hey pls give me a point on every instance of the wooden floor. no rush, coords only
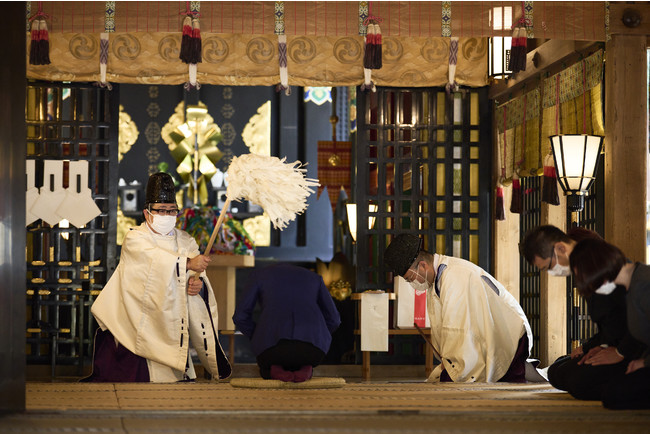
(383, 405)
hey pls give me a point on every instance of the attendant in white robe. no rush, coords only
(158, 303)
(477, 327)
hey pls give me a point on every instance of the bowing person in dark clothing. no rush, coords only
(586, 371)
(598, 265)
(296, 320)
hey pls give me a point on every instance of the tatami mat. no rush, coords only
(356, 407)
(313, 383)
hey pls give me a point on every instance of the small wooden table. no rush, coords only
(222, 274)
(428, 352)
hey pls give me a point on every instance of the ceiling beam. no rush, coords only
(547, 57)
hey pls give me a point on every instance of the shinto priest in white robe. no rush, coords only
(476, 323)
(146, 307)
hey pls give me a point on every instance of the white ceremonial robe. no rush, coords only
(475, 330)
(146, 307)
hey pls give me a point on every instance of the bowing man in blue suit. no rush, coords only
(296, 321)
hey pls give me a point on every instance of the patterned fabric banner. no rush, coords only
(252, 60)
(522, 136)
(574, 80)
(519, 147)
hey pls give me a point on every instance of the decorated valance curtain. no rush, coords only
(325, 40)
(569, 102)
(252, 60)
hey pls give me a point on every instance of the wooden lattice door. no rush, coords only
(68, 266)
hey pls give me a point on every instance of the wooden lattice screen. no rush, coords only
(423, 158)
(67, 266)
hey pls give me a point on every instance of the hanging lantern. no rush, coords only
(576, 161)
(499, 51)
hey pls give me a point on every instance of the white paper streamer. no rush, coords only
(32, 192)
(52, 193)
(78, 206)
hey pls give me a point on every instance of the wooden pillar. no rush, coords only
(12, 207)
(553, 310)
(506, 249)
(626, 147)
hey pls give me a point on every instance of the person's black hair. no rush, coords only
(540, 240)
(594, 262)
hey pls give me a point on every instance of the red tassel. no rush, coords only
(549, 185)
(523, 48)
(515, 204)
(39, 50)
(499, 209)
(196, 42)
(369, 47)
(377, 58)
(186, 41)
(518, 50)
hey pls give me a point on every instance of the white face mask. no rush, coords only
(606, 288)
(163, 224)
(423, 286)
(559, 270)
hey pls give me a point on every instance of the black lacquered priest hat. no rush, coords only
(402, 252)
(160, 189)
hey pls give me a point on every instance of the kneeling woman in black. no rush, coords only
(597, 264)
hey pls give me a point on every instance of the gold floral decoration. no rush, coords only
(257, 132)
(259, 229)
(192, 138)
(128, 133)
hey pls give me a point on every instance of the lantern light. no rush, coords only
(351, 209)
(576, 161)
(499, 47)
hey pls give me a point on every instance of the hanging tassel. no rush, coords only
(196, 45)
(523, 48)
(186, 41)
(191, 47)
(518, 50)
(372, 56)
(513, 63)
(43, 44)
(34, 44)
(515, 204)
(549, 185)
(39, 50)
(377, 57)
(369, 46)
(499, 209)
(368, 59)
